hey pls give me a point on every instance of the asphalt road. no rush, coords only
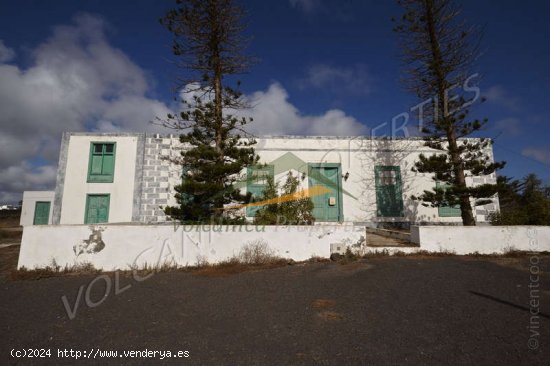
(387, 311)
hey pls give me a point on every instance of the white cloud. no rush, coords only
(77, 81)
(353, 80)
(6, 54)
(307, 6)
(539, 154)
(510, 126)
(23, 176)
(500, 96)
(273, 114)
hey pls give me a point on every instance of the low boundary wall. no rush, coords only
(111, 247)
(481, 239)
(118, 246)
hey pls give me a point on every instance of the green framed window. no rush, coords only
(97, 208)
(101, 168)
(389, 196)
(447, 211)
(257, 179)
(41, 213)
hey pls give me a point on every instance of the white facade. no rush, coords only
(112, 247)
(73, 184)
(143, 178)
(30, 200)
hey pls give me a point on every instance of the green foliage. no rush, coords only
(522, 202)
(297, 211)
(208, 44)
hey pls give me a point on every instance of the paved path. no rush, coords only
(431, 311)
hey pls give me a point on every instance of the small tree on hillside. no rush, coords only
(438, 52)
(298, 211)
(209, 45)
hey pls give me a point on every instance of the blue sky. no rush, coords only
(324, 67)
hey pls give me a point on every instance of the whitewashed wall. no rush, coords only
(29, 204)
(126, 245)
(141, 190)
(358, 156)
(481, 239)
(76, 187)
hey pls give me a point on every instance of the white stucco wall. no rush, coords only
(76, 186)
(357, 156)
(126, 245)
(481, 239)
(29, 203)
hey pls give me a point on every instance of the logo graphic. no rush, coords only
(319, 182)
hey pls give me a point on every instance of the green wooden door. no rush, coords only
(389, 197)
(41, 213)
(327, 206)
(256, 183)
(97, 209)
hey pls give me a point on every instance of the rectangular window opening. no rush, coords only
(101, 167)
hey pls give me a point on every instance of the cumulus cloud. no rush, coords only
(6, 54)
(509, 126)
(273, 114)
(77, 81)
(352, 80)
(307, 6)
(21, 177)
(497, 94)
(540, 154)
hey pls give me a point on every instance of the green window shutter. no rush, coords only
(108, 165)
(97, 208)
(256, 182)
(446, 210)
(41, 213)
(102, 162)
(389, 193)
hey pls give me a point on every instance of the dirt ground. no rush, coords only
(399, 310)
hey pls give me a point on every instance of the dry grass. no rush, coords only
(53, 270)
(253, 256)
(323, 303)
(330, 315)
(10, 219)
(8, 260)
(10, 236)
(325, 309)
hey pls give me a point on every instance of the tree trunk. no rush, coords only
(460, 179)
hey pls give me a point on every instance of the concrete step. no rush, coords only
(374, 240)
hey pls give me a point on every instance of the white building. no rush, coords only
(127, 177)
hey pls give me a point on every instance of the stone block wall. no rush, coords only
(159, 176)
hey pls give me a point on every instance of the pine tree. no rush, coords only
(209, 45)
(438, 52)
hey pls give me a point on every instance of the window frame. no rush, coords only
(386, 176)
(88, 196)
(101, 178)
(251, 183)
(36, 204)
